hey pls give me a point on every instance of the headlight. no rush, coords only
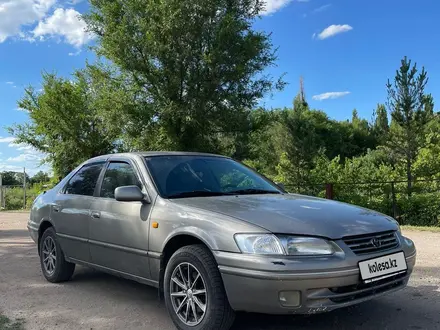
(259, 244)
(306, 246)
(269, 244)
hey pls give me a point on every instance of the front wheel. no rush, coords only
(53, 264)
(194, 293)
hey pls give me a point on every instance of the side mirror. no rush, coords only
(129, 194)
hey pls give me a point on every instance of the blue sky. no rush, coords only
(344, 49)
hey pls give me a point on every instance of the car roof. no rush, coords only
(152, 154)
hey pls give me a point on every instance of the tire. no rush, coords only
(58, 270)
(218, 313)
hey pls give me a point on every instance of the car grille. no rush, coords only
(372, 243)
(354, 292)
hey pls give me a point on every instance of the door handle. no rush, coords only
(56, 208)
(96, 215)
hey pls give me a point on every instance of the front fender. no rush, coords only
(194, 232)
(215, 230)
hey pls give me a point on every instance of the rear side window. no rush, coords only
(118, 175)
(84, 181)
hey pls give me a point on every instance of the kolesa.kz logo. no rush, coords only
(378, 267)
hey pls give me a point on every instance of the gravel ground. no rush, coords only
(94, 300)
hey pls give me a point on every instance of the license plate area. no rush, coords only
(382, 267)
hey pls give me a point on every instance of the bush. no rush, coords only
(420, 210)
(14, 197)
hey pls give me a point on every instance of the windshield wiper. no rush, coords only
(198, 193)
(251, 191)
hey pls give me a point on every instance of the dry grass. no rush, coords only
(422, 228)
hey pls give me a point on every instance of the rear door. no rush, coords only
(119, 230)
(71, 211)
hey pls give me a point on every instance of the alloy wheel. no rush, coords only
(49, 255)
(188, 294)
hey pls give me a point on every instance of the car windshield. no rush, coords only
(204, 176)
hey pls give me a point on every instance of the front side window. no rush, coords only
(84, 181)
(190, 176)
(118, 175)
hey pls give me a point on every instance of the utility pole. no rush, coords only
(24, 188)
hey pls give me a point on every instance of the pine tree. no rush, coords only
(406, 103)
(381, 126)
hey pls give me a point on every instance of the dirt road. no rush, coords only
(93, 300)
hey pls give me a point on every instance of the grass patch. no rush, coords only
(8, 324)
(422, 228)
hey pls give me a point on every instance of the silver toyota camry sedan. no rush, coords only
(215, 237)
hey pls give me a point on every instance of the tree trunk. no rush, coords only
(409, 176)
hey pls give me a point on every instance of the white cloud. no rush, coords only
(20, 146)
(271, 6)
(333, 30)
(7, 139)
(14, 14)
(23, 158)
(65, 24)
(329, 95)
(75, 53)
(322, 8)
(10, 82)
(7, 167)
(29, 154)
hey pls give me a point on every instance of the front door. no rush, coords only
(71, 211)
(119, 230)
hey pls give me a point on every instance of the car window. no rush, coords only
(118, 175)
(176, 175)
(84, 181)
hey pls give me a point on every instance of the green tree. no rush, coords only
(66, 121)
(198, 65)
(354, 116)
(427, 164)
(406, 103)
(301, 144)
(9, 178)
(381, 126)
(428, 103)
(40, 177)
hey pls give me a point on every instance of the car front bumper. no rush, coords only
(254, 283)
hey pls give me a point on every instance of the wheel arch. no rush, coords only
(44, 225)
(174, 243)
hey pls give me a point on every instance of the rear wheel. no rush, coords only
(194, 293)
(53, 264)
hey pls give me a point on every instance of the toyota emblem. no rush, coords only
(376, 242)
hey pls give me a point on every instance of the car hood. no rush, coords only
(296, 214)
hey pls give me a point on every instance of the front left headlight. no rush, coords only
(259, 244)
(269, 244)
